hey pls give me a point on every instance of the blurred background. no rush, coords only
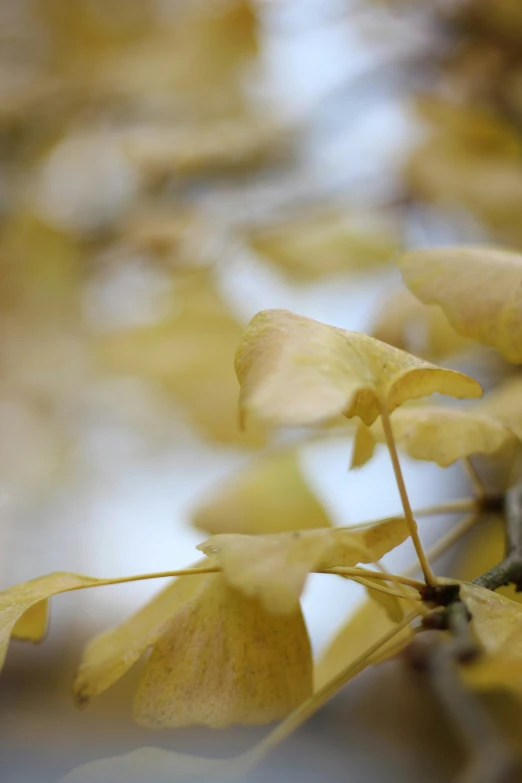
(167, 169)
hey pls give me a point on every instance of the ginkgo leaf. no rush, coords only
(361, 630)
(274, 567)
(316, 245)
(497, 624)
(269, 495)
(294, 370)
(504, 403)
(149, 764)
(405, 322)
(392, 605)
(111, 654)
(190, 353)
(17, 600)
(33, 624)
(478, 288)
(439, 434)
(223, 660)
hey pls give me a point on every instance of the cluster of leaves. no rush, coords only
(143, 108)
(229, 643)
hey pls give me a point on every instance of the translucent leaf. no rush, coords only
(361, 630)
(269, 495)
(442, 435)
(191, 354)
(316, 245)
(154, 765)
(504, 403)
(111, 654)
(274, 567)
(17, 600)
(294, 370)
(32, 625)
(406, 323)
(392, 605)
(497, 624)
(478, 288)
(223, 660)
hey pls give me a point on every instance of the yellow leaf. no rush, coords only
(363, 445)
(316, 245)
(294, 370)
(111, 654)
(191, 354)
(17, 600)
(269, 495)
(504, 403)
(166, 151)
(477, 287)
(392, 605)
(497, 624)
(32, 625)
(443, 435)
(274, 567)
(224, 660)
(154, 765)
(407, 323)
(360, 631)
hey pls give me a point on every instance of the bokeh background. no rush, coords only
(167, 169)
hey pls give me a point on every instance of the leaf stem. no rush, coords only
(429, 576)
(366, 572)
(314, 702)
(474, 477)
(142, 577)
(381, 589)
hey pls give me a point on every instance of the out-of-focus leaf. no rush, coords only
(269, 495)
(392, 605)
(224, 659)
(478, 288)
(443, 435)
(32, 625)
(174, 235)
(407, 323)
(497, 624)
(161, 152)
(447, 172)
(317, 245)
(152, 764)
(191, 354)
(274, 567)
(360, 631)
(294, 370)
(17, 600)
(504, 403)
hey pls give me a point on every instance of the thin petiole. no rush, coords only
(381, 589)
(452, 507)
(474, 477)
(366, 572)
(142, 577)
(414, 532)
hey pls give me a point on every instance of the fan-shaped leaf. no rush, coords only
(439, 434)
(224, 659)
(479, 289)
(269, 495)
(294, 370)
(274, 567)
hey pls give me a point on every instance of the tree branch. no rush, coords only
(437, 659)
(509, 570)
